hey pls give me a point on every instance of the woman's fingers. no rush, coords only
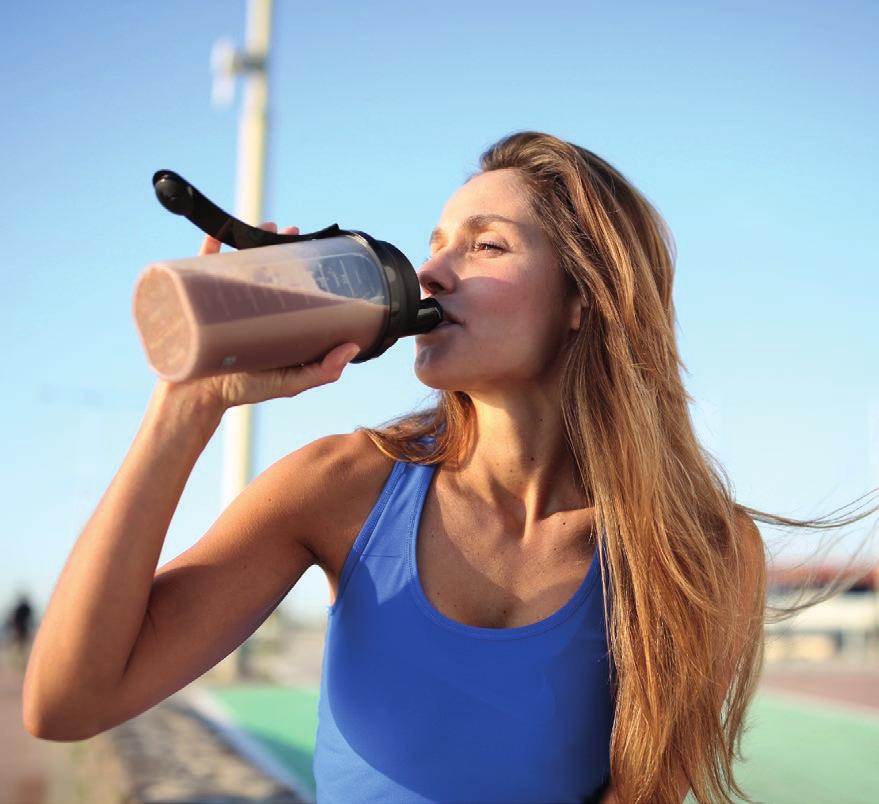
(296, 379)
(209, 246)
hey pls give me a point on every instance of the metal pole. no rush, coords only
(252, 146)
(251, 65)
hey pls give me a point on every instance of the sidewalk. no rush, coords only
(170, 754)
(31, 771)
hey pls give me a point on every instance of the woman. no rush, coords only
(543, 590)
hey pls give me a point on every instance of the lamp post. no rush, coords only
(251, 65)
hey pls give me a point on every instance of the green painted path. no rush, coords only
(282, 719)
(796, 752)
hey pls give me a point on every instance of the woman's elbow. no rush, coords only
(60, 718)
(45, 724)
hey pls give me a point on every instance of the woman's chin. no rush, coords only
(433, 375)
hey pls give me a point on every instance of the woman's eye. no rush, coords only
(485, 245)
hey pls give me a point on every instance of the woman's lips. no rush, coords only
(442, 325)
(449, 316)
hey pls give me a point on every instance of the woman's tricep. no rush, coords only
(209, 599)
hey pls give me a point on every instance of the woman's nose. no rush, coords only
(435, 277)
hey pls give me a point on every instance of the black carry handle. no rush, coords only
(178, 196)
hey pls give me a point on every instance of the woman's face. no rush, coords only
(493, 270)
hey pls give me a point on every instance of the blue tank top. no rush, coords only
(416, 707)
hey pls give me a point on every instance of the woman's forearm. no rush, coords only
(98, 606)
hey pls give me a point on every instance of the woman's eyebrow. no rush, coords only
(475, 223)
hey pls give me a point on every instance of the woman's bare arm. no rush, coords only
(97, 608)
(117, 637)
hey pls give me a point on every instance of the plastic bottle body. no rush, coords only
(260, 308)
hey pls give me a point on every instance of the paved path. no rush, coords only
(168, 755)
(31, 771)
(171, 754)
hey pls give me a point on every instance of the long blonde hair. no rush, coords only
(673, 530)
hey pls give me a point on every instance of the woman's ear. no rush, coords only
(576, 313)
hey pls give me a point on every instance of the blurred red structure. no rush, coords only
(789, 577)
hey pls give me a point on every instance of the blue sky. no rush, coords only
(750, 125)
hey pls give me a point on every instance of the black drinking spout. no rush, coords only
(430, 315)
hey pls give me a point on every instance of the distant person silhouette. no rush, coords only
(20, 627)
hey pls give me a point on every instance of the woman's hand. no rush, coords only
(246, 388)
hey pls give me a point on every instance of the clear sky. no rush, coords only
(750, 125)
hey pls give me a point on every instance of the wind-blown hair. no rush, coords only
(679, 549)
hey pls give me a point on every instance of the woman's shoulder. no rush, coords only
(339, 468)
(337, 480)
(351, 459)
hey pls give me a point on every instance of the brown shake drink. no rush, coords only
(261, 308)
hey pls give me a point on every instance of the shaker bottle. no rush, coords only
(281, 300)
